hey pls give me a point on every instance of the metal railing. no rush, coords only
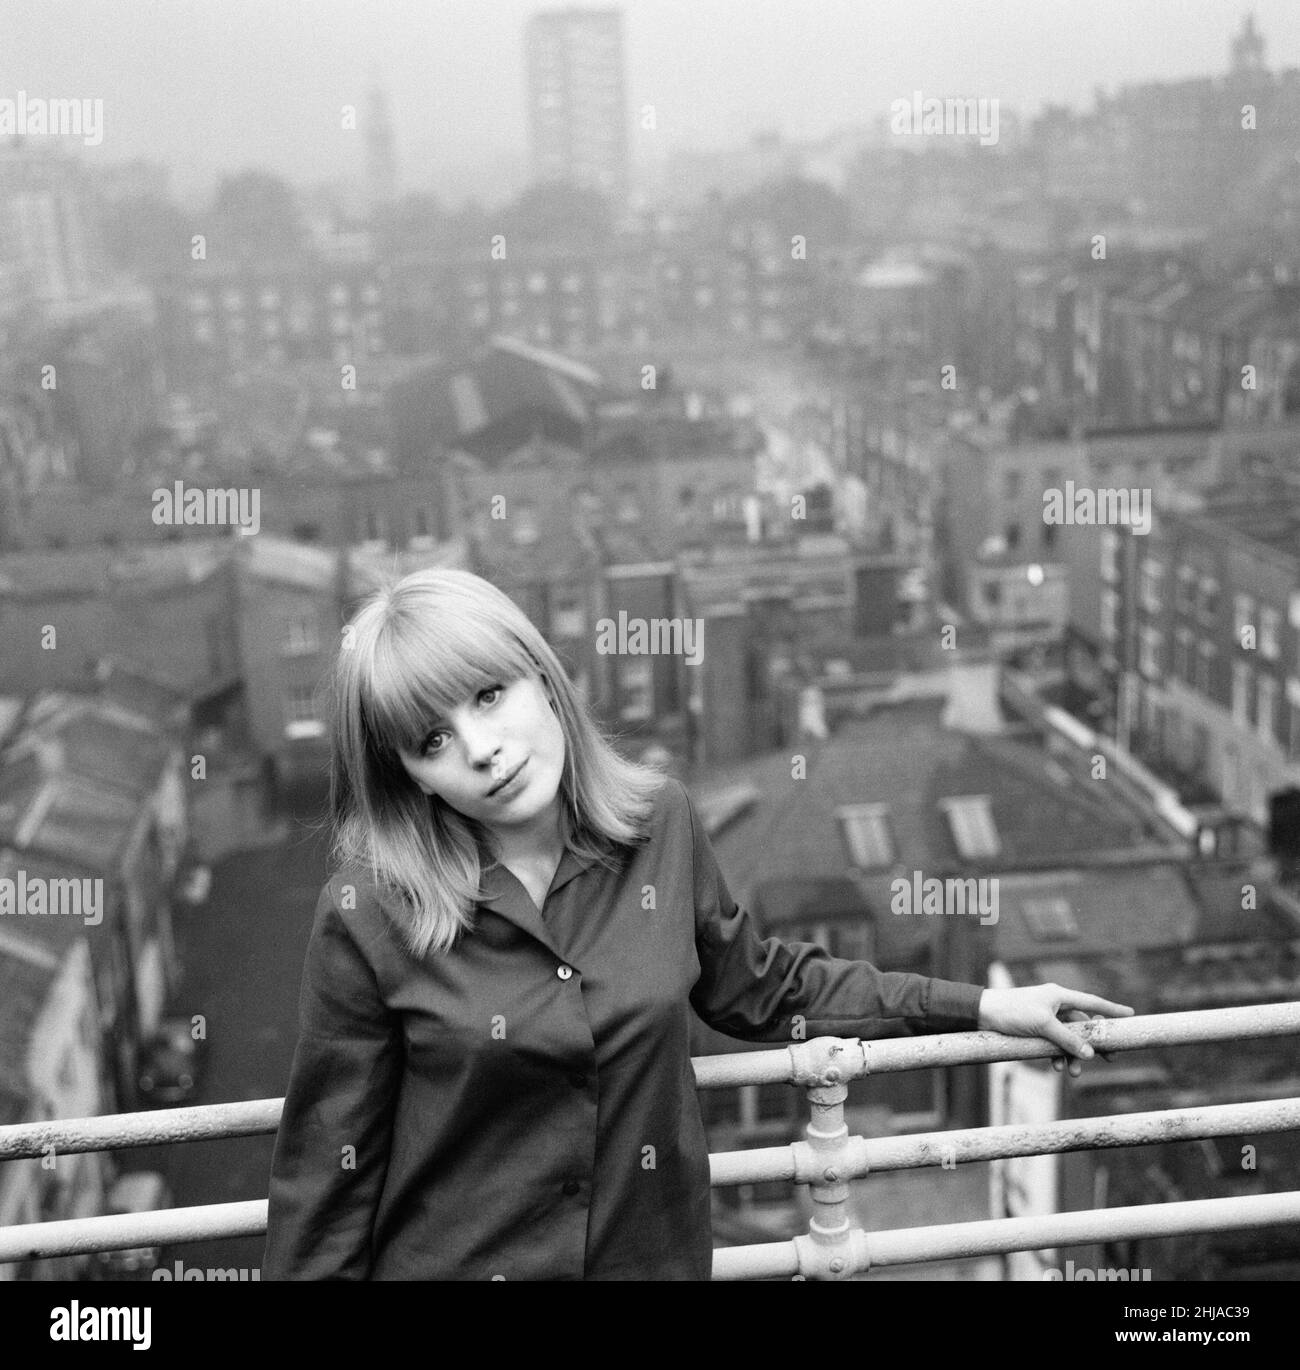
(827, 1160)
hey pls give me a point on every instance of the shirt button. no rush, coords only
(571, 1187)
(564, 972)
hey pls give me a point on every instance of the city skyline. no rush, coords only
(716, 75)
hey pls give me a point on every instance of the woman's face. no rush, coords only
(498, 758)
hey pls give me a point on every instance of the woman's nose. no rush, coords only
(481, 743)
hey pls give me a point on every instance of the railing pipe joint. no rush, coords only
(822, 1066)
(825, 1061)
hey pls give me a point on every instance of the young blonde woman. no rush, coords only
(493, 1077)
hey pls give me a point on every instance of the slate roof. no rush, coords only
(85, 820)
(82, 736)
(902, 757)
(89, 571)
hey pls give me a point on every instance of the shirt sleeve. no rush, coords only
(755, 989)
(332, 1146)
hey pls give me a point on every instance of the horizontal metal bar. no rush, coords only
(260, 1116)
(947, 1241)
(120, 1232)
(199, 1122)
(958, 1241)
(799, 1162)
(982, 1048)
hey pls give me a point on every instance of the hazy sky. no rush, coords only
(212, 85)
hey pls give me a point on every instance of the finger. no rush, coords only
(1076, 1069)
(1073, 998)
(1057, 1063)
(1068, 1041)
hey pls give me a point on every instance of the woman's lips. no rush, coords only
(508, 780)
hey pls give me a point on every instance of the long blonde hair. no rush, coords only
(416, 649)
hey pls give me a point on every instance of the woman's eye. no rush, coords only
(491, 690)
(429, 749)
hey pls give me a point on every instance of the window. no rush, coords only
(300, 713)
(1150, 652)
(1265, 706)
(636, 684)
(1109, 554)
(1270, 620)
(1241, 691)
(1205, 654)
(1109, 615)
(1294, 753)
(567, 616)
(1050, 919)
(589, 502)
(1209, 599)
(973, 831)
(1185, 593)
(1151, 574)
(1183, 668)
(865, 831)
(627, 508)
(1243, 615)
(523, 525)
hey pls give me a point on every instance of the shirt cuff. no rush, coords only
(955, 1001)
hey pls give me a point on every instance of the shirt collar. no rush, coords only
(501, 886)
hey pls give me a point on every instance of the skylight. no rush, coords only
(971, 820)
(1050, 919)
(865, 829)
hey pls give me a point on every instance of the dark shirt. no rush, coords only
(524, 1105)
